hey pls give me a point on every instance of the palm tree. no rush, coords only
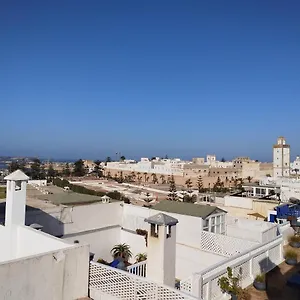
(162, 177)
(296, 171)
(139, 177)
(145, 174)
(121, 250)
(249, 178)
(154, 178)
(133, 176)
(141, 257)
(189, 185)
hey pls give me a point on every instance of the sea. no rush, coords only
(3, 166)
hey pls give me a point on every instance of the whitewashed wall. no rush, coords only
(191, 260)
(8, 241)
(32, 242)
(59, 275)
(101, 241)
(137, 243)
(242, 202)
(93, 216)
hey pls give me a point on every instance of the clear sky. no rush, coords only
(184, 78)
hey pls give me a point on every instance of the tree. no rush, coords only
(13, 166)
(189, 185)
(223, 159)
(296, 171)
(121, 178)
(133, 176)
(162, 178)
(172, 196)
(189, 198)
(66, 170)
(35, 170)
(108, 159)
(122, 251)
(154, 178)
(249, 178)
(51, 173)
(200, 184)
(97, 168)
(145, 176)
(79, 169)
(122, 158)
(139, 177)
(218, 185)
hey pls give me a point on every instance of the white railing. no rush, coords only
(122, 285)
(286, 230)
(269, 234)
(223, 244)
(247, 265)
(138, 269)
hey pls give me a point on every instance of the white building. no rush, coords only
(35, 265)
(295, 166)
(281, 158)
(193, 243)
(161, 166)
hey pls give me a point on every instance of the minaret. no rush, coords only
(15, 198)
(281, 158)
(161, 254)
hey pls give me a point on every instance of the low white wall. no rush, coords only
(101, 241)
(191, 260)
(249, 235)
(31, 242)
(59, 275)
(38, 182)
(242, 202)
(93, 216)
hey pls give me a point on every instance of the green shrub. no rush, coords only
(290, 254)
(260, 277)
(294, 239)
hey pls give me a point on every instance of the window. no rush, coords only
(168, 232)
(206, 225)
(217, 224)
(18, 185)
(154, 230)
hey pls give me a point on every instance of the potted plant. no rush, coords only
(141, 257)
(294, 241)
(291, 257)
(260, 282)
(229, 284)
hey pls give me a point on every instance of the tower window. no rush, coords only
(154, 230)
(168, 232)
(18, 185)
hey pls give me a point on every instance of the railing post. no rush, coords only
(208, 291)
(196, 288)
(251, 267)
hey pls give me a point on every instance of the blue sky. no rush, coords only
(184, 78)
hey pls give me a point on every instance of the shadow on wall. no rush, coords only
(51, 225)
(276, 281)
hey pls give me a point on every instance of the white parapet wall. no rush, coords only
(60, 275)
(246, 265)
